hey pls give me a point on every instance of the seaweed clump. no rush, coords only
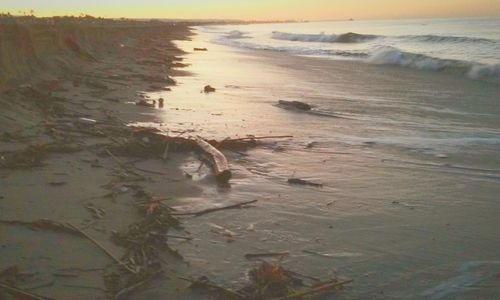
(270, 281)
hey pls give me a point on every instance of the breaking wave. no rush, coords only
(236, 34)
(350, 37)
(393, 56)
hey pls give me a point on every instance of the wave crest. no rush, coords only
(481, 71)
(393, 56)
(350, 37)
(236, 34)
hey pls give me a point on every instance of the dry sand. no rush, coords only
(55, 75)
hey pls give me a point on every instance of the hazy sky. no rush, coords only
(259, 9)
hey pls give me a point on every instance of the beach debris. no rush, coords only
(268, 281)
(155, 87)
(279, 149)
(209, 89)
(266, 254)
(242, 144)
(157, 140)
(294, 105)
(200, 49)
(250, 227)
(145, 238)
(299, 181)
(204, 286)
(255, 138)
(187, 238)
(96, 212)
(271, 281)
(332, 254)
(311, 145)
(145, 103)
(143, 241)
(217, 160)
(150, 142)
(223, 231)
(160, 102)
(87, 121)
(211, 210)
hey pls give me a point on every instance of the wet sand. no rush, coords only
(408, 159)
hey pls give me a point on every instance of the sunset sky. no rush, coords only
(258, 9)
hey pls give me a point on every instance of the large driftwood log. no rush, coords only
(218, 160)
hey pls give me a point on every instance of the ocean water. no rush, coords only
(469, 47)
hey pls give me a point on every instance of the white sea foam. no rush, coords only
(393, 56)
(480, 71)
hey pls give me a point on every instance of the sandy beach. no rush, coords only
(405, 163)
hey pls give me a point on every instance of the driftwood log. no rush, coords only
(219, 162)
(294, 105)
